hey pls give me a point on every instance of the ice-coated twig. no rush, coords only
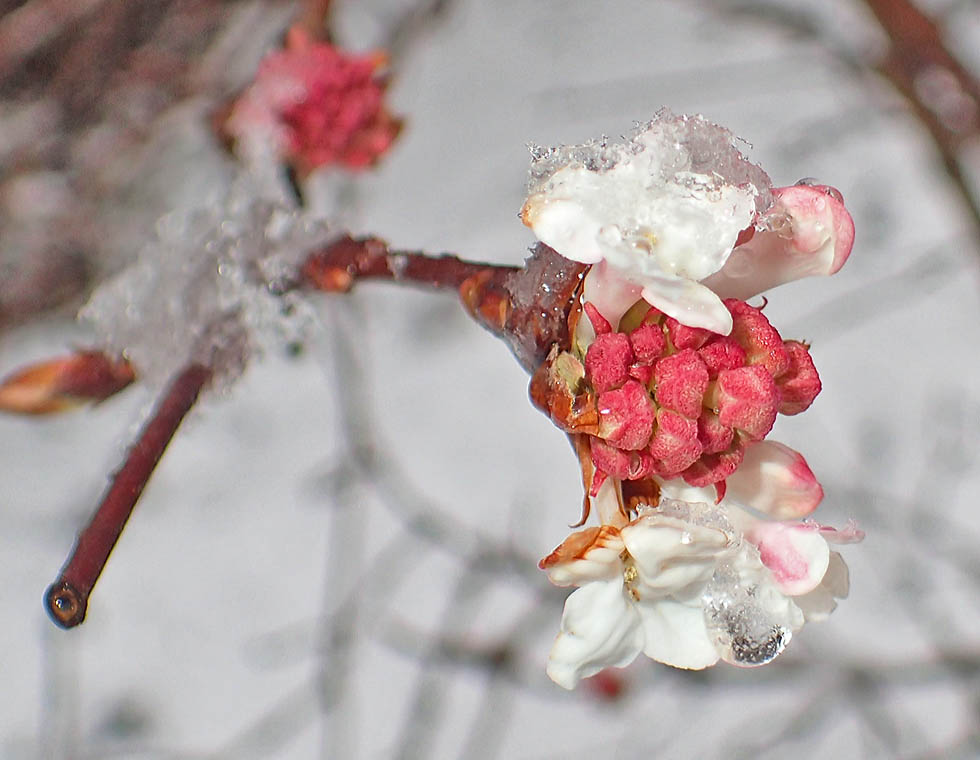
(67, 598)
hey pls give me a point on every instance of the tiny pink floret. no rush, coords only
(762, 343)
(624, 465)
(674, 445)
(713, 435)
(681, 381)
(715, 468)
(682, 336)
(747, 399)
(800, 385)
(608, 360)
(722, 352)
(626, 416)
(648, 343)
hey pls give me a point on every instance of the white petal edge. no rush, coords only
(819, 603)
(676, 635)
(599, 629)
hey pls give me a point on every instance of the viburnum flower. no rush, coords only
(689, 584)
(668, 386)
(315, 105)
(678, 215)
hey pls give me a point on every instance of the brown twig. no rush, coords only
(526, 306)
(944, 94)
(337, 267)
(67, 598)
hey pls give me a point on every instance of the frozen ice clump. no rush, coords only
(675, 150)
(747, 618)
(696, 513)
(661, 211)
(213, 287)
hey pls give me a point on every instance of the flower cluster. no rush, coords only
(669, 386)
(658, 397)
(316, 106)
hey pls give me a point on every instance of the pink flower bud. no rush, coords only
(675, 444)
(714, 468)
(714, 436)
(648, 343)
(599, 323)
(762, 344)
(799, 386)
(746, 399)
(681, 381)
(626, 416)
(624, 465)
(721, 352)
(682, 336)
(608, 360)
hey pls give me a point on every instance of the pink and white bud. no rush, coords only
(807, 232)
(776, 480)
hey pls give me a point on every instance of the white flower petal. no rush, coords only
(671, 554)
(774, 479)
(599, 629)
(585, 556)
(819, 603)
(565, 225)
(687, 301)
(675, 634)
(610, 293)
(812, 234)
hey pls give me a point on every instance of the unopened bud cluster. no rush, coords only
(659, 398)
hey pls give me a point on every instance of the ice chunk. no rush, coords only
(213, 287)
(747, 617)
(663, 210)
(681, 150)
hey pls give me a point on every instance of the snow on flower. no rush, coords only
(315, 105)
(679, 216)
(688, 584)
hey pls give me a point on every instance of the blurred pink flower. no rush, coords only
(315, 105)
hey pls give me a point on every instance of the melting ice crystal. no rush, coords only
(750, 621)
